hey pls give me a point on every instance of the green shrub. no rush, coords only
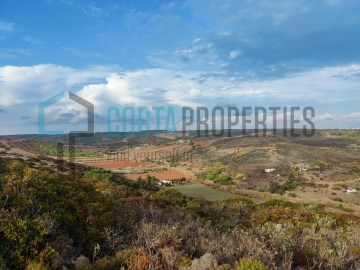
(38, 203)
(107, 263)
(33, 265)
(98, 174)
(223, 179)
(172, 196)
(239, 201)
(2, 263)
(277, 202)
(319, 207)
(250, 264)
(213, 172)
(276, 188)
(322, 165)
(218, 175)
(281, 189)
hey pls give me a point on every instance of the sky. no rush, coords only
(172, 54)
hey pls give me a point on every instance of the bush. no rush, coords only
(243, 201)
(320, 164)
(276, 188)
(223, 179)
(2, 263)
(171, 196)
(250, 264)
(281, 189)
(40, 205)
(218, 175)
(277, 202)
(33, 265)
(98, 174)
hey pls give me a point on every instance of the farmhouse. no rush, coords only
(270, 170)
(165, 182)
(350, 190)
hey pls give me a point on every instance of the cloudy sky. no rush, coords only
(177, 53)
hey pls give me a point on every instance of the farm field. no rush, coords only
(203, 191)
(116, 164)
(167, 175)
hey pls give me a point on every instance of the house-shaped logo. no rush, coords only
(47, 103)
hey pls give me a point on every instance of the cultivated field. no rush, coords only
(203, 191)
(167, 175)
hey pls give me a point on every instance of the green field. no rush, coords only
(200, 190)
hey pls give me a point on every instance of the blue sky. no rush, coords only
(178, 53)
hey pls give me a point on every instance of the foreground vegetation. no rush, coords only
(100, 221)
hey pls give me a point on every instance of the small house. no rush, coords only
(351, 190)
(165, 182)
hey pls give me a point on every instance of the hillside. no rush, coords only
(100, 220)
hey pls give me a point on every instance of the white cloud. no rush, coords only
(85, 54)
(326, 117)
(338, 120)
(141, 87)
(333, 3)
(31, 40)
(25, 87)
(194, 92)
(199, 51)
(13, 53)
(148, 87)
(234, 54)
(34, 84)
(6, 26)
(321, 85)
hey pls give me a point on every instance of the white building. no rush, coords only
(165, 182)
(351, 190)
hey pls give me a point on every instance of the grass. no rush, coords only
(205, 192)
